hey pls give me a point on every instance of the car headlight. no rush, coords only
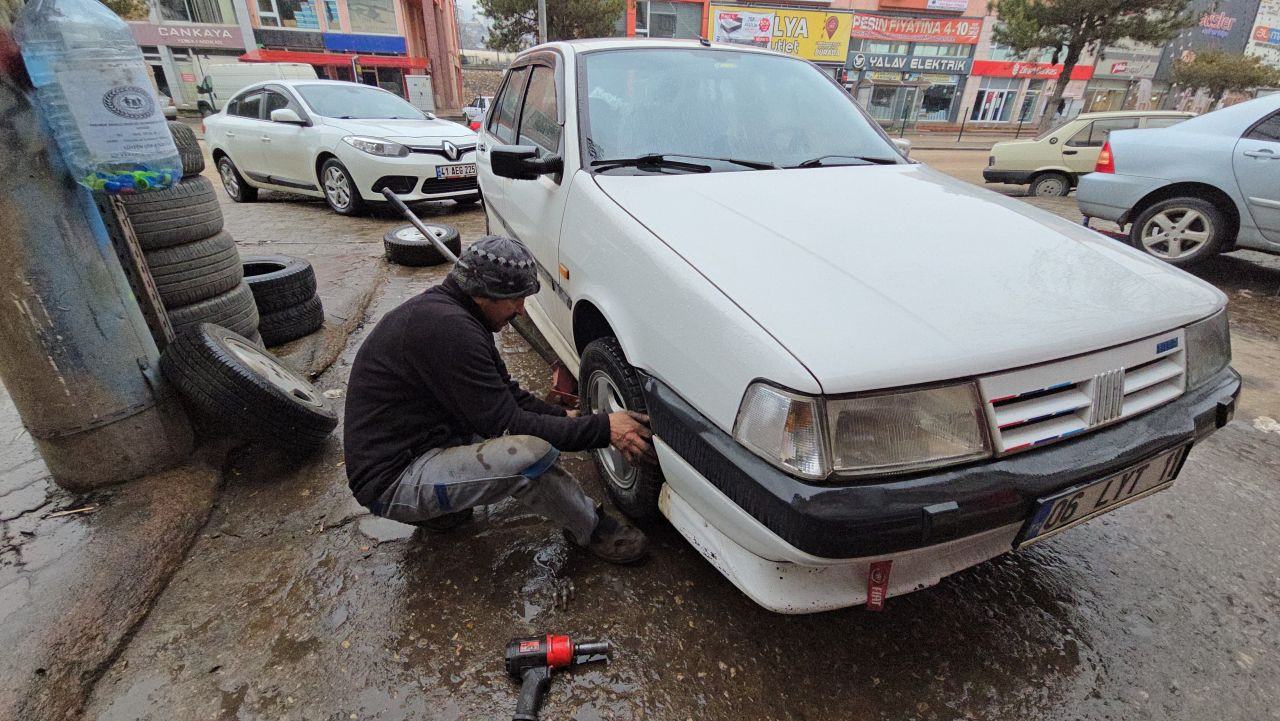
(879, 433)
(376, 146)
(1208, 348)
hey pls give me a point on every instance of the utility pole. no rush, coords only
(542, 21)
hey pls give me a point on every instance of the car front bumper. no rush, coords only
(799, 547)
(1013, 177)
(413, 178)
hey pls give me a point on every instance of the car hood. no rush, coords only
(879, 276)
(404, 131)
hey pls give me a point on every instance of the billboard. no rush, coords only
(962, 31)
(818, 35)
(1265, 39)
(1221, 24)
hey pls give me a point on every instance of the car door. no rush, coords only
(243, 131)
(1080, 152)
(534, 208)
(500, 129)
(1256, 161)
(287, 157)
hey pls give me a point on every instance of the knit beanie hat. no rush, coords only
(496, 267)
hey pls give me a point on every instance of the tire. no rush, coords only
(245, 390)
(1208, 225)
(233, 310)
(1051, 185)
(467, 199)
(289, 324)
(190, 273)
(181, 214)
(607, 383)
(233, 182)
(188, 148)
(340, 190)
(406, 246)
(278, 281)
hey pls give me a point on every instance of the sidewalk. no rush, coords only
(969, 140)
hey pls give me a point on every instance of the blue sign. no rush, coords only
(344, 43)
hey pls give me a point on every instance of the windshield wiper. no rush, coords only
(753, 164)
(652, 161)
(820, 161)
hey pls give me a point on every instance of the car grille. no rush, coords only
(1042, 404)
(449, 185)
(429, 150)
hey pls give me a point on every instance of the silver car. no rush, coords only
(1205, 186)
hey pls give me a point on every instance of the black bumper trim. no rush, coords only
(869, 518)
(1015, 177)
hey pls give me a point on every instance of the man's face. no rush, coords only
(498, 312)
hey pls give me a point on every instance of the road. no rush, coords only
(294, 606)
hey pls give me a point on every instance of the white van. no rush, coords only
(224, 81)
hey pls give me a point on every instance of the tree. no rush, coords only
(1220, 72)
(128, 9)
(1072, 27)
(515, 22)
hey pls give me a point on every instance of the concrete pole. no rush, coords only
(75, 353)
(542, 21)
(246, 27)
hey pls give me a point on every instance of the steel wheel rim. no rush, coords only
(1176, 233)
(337, 188)
(413, 235)
(229, 181)
(277, 375)
(603, 396)
(1054, 184)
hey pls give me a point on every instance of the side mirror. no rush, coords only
(521, 162)
(904, 146)
(204, 87)
(286, 115)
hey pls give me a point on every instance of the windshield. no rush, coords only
(719, 104)
(352, 100)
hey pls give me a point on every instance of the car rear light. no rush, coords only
(1106, 161)
(474, 125)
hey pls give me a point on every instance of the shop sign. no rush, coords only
(818, 35)
(949, 5)
(188, 36)
(910, 64)
(1120, 68)
(1217, 25)
(344, 43)
(884, 77)
(962, 31)
(1041, 71)
(188, 77)
(289, 39)
(1265, 40)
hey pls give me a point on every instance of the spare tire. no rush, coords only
(190, 273)
(181, 214)
(278, 281)
(282, 326)
(245, 389)
(233, 310)
(188, 148)
(406, 245)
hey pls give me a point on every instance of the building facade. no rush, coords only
(180, 38)
(1225, 25)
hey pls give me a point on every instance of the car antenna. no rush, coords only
(705, 42)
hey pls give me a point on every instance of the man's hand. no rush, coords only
(573, 412)
(629, 433)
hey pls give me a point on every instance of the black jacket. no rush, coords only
(428, 374)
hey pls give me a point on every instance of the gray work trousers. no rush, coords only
(446, 480)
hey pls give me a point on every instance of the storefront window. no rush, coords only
(951, 50)
(1030, 99)
(935, 105)
(372, 16)
(665, 19)
(1105, 95)
(1004, 53)
(890, 103)
(995, 100)
(300, 14)
(220, 12)
(878, 46)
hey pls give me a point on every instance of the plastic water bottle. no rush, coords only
(93, 89)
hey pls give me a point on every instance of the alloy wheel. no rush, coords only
(1176, 233)
(603, 397)
(229, 181)
(337, 187)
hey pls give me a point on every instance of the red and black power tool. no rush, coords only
(531, 661)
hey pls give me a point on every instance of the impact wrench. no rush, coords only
(531, 661)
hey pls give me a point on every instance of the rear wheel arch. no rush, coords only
(1209, 193)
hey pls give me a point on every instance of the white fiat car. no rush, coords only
(343, 142)
(863, 375)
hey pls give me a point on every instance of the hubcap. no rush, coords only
(337, 188)
(1052, 186)
(274, 373)
(1176, 233)
(603, 396)
(411, 234)
(229, 181)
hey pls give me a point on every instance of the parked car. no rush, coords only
(1053, 163)
(340, 141)
(1206, 186)
(863, 375)
(223, 81)
(476, 108)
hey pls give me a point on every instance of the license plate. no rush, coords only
(1081, 503)
(466, 170)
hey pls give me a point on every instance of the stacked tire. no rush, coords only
(284, 290)
(193, 261)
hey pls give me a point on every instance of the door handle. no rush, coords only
(265, 139)
(482, 147)
(230, 134)
(1261, 154)
(1071, 152)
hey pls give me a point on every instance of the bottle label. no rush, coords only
(117, 112)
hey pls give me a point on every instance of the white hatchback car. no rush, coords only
(862, 374)
(341, 141)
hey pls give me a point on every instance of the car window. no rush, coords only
(1163, 122)
(1102, 129)
(476, 102)
(538, 124)
(249, 106)
(1081, 138)
(233, 107)
(1268, 129)
(351, 101)
(275, 101)
(502, 122)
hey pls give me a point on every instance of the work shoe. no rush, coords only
(447, 522)
(617, 542)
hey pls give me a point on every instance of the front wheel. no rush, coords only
(607, 384)
(340, 189)
(1180, 231)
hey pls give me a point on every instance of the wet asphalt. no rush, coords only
(293, 606)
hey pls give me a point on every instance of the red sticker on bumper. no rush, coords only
(878, 585)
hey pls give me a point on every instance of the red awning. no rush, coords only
(336, 59)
